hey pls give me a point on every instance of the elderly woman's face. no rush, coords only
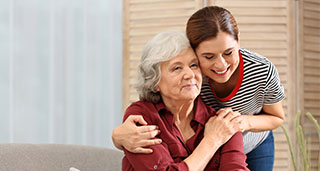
(180, 77)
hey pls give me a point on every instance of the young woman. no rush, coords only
(237, 78)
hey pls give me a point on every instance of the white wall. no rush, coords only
(60, 71)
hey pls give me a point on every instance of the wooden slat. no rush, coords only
(311, 87)
(312, 103)
(311, 7)
(313, 1)
(161, 14)
(272, 53)
(263, 36)
(265, 28)
(312, 47)
(311, 31)
(312, 96)
(264, 44)
(160, 22)
(252, 4)
(261, 20)
(312, 23)
(162, 5)
(312, 62)
(312, 79)
(311, 55)
(312, 39)
(312, 15)
(257, 11)
(147, 34)
(313, 71)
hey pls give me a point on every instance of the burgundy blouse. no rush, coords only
(169, 155)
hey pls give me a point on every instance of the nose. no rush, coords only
(220, 63)
(188, 73)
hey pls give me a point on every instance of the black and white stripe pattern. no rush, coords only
(260, 86)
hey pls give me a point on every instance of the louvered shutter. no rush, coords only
(310, 39)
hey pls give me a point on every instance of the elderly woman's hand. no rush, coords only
(223, 126)
(135, 138)
(237, 120)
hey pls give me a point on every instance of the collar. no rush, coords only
(238, 85)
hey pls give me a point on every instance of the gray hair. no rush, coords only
(161, 48)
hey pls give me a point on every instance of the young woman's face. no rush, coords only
(219, 57)
(180, 77)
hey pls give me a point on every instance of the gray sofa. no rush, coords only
(58, 157)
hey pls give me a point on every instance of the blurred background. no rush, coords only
(68, 67)
(60, 71)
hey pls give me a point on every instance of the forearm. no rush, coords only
(200, 157)
(262, 122)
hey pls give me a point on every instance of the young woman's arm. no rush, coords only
(135, 138)
(272, 114)
(272, 117)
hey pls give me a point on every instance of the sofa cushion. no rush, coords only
(57, 157)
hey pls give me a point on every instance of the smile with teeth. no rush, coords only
(222, 72)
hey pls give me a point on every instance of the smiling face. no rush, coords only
(180, 78)
(219, 57)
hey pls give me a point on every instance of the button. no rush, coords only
(155, 166)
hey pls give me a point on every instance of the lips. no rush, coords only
(189, 85)
(222, 72)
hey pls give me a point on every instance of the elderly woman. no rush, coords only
(193, 137)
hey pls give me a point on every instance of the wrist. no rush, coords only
(247, 121)
(212, 142)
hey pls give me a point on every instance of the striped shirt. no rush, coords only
(258, 84)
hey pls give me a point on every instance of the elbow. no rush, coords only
(281, 117)
(279, 121)
(115, 140)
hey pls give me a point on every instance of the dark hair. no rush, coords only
(207, 22)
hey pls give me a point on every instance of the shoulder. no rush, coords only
(254, 62)
(142, 107)
(253, 57)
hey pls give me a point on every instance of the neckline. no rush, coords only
(238, 85)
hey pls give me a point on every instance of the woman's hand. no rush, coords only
(223, 126)
(135, 138)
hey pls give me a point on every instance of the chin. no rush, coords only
(191, 97)
(220, 81)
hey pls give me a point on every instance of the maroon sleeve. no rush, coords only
(160, 158)
(232, 155)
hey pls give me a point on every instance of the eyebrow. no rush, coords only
(209, 53)
(195, 59)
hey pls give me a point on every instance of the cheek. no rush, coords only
(234, 59)
(204, 67)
